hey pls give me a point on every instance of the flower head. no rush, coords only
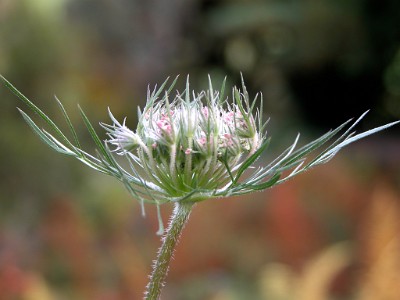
(191, 146)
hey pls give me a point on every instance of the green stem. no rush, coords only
(178, 220)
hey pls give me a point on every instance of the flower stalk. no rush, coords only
(178, 220)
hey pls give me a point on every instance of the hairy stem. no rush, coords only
(178, 220)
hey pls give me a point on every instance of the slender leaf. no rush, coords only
(43, 136)
(37, 110)
(68, 120)
(103, 151)
(248, 162)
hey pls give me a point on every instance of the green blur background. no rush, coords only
(67, 232)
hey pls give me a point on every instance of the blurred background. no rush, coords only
(67, 232)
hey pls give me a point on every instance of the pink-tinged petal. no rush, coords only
(202, 141)
(204, 110)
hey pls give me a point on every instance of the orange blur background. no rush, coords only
(67, 232)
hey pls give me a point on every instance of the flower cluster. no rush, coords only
(194, 147)
(193, 143)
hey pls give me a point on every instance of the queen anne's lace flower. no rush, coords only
(192, 146)
(195, 147)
